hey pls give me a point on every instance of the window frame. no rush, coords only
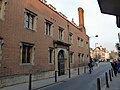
(30, 20)
(71, 57)
(48, 28)
(61, 34)
(82, 42)
(78, 41)
(31, 48)
(2, 9)
(87, 45)
(82, 58)
(51, 55)
(70, 38)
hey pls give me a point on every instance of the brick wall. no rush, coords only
(13, 33)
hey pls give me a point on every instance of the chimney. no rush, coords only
(81, 16)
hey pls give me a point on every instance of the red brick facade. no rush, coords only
(13, 33)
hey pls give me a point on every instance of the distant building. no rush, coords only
(35, 38)
(100, 53)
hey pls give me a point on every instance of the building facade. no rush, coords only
(34, 37)
(100, 53)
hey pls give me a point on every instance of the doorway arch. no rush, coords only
(61, 63)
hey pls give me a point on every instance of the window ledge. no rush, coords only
(2, 19)
(26, 64)
(48, 36)
(51, 63)
(31, 29)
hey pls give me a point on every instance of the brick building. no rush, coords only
(100, 53)
(34, 37)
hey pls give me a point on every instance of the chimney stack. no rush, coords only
(81, 16)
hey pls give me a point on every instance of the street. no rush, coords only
(83, 82)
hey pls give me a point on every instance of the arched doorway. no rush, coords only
(61, 63)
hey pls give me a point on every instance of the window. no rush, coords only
(71, 57)
(0, 5)
(30, 20)
(87, 46)
(1, 44)
(61, 33)
(2, 8)
(82, 58)
(27, 53)
(70, 38)
(80, 42)
(48, 28)
(51, 55)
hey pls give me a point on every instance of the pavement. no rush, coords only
(43, 83)
(113, 85)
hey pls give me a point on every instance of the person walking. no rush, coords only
(118, 64)
(90, 67)
(115, 67)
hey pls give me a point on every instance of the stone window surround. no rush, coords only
(70, 38)
(34, 27)
(50, 32)
(2, 9)
(71, 57)
(80, 42)
(32, 57)
(80, 57)
(61, 34)
(51, 60)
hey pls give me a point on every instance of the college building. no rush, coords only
(100, 54)
(35, 37)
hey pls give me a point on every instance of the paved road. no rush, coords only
(83, 82)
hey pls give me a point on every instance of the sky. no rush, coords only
(96, 23)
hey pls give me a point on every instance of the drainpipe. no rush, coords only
(68, 50)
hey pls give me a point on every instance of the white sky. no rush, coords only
(96, 23)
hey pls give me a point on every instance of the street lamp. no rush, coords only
(93, 36)
(89, 44)
(96, 44)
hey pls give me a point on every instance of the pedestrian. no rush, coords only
(91, 60)
(91, 63)
(90, 67)
(115, 67)
(118, 64)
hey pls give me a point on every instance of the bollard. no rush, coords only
(112, 72)
(78, 71)
(69, 73)
(98, 84)
(55, 76)
(106, 76)
(84, 69)
(30, 81)
(110, 75)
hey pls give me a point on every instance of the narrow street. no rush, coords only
(83, 82)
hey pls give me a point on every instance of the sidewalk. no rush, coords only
(42, 83)
(46, 82)
(115, 83)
